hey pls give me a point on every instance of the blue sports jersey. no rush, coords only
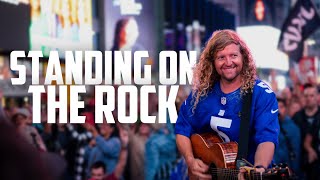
(220, 112)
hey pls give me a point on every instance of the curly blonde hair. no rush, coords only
(205, 75)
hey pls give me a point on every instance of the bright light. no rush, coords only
(311, 42)
(263, 41)
(15, 2)
(281, 80)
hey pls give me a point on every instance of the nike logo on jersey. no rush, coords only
(274, 111)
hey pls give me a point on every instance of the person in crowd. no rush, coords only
(19, 159)
(312, 147)
(160, 148)
(78, 138)
(160, 151)
(137, 144)
(289, 147)
(22, 120)
(294, 106)
(105, 146)
(224, 73)
(98, 169)
(310, 114)
(308, 119)
(286, 94)
(55, 137)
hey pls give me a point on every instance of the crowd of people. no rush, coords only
(148, 151)
(101, 151)
(299, 130)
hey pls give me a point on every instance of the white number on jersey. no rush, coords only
(264, 85)
(221, 122)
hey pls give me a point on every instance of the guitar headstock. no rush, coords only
(277, 172)
(281, 171)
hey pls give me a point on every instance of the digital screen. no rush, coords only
(14, 20)
(131, 26)
(61, 25)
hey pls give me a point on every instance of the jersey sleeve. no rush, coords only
(183, 126)
(265, 114)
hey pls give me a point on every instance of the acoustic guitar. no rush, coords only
(221, 157)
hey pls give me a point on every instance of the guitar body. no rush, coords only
(221, 157)
(210, 148)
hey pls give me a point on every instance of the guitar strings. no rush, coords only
(224, 173)
(233, 173)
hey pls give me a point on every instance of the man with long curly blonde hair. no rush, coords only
(224, 73)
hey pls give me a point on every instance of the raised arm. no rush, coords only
(124, 137)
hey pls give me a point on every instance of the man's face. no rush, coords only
(310, 95)
(21, 120)
(293, 108)
(228, 63)
(97, 173)
(105, 129)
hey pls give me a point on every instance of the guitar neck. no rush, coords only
(225, 173)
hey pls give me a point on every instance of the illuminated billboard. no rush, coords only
(262, 41)
(130, 25)
(61, 25)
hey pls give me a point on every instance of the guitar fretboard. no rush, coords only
(232, 174)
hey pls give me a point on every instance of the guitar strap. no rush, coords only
(244, 130)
